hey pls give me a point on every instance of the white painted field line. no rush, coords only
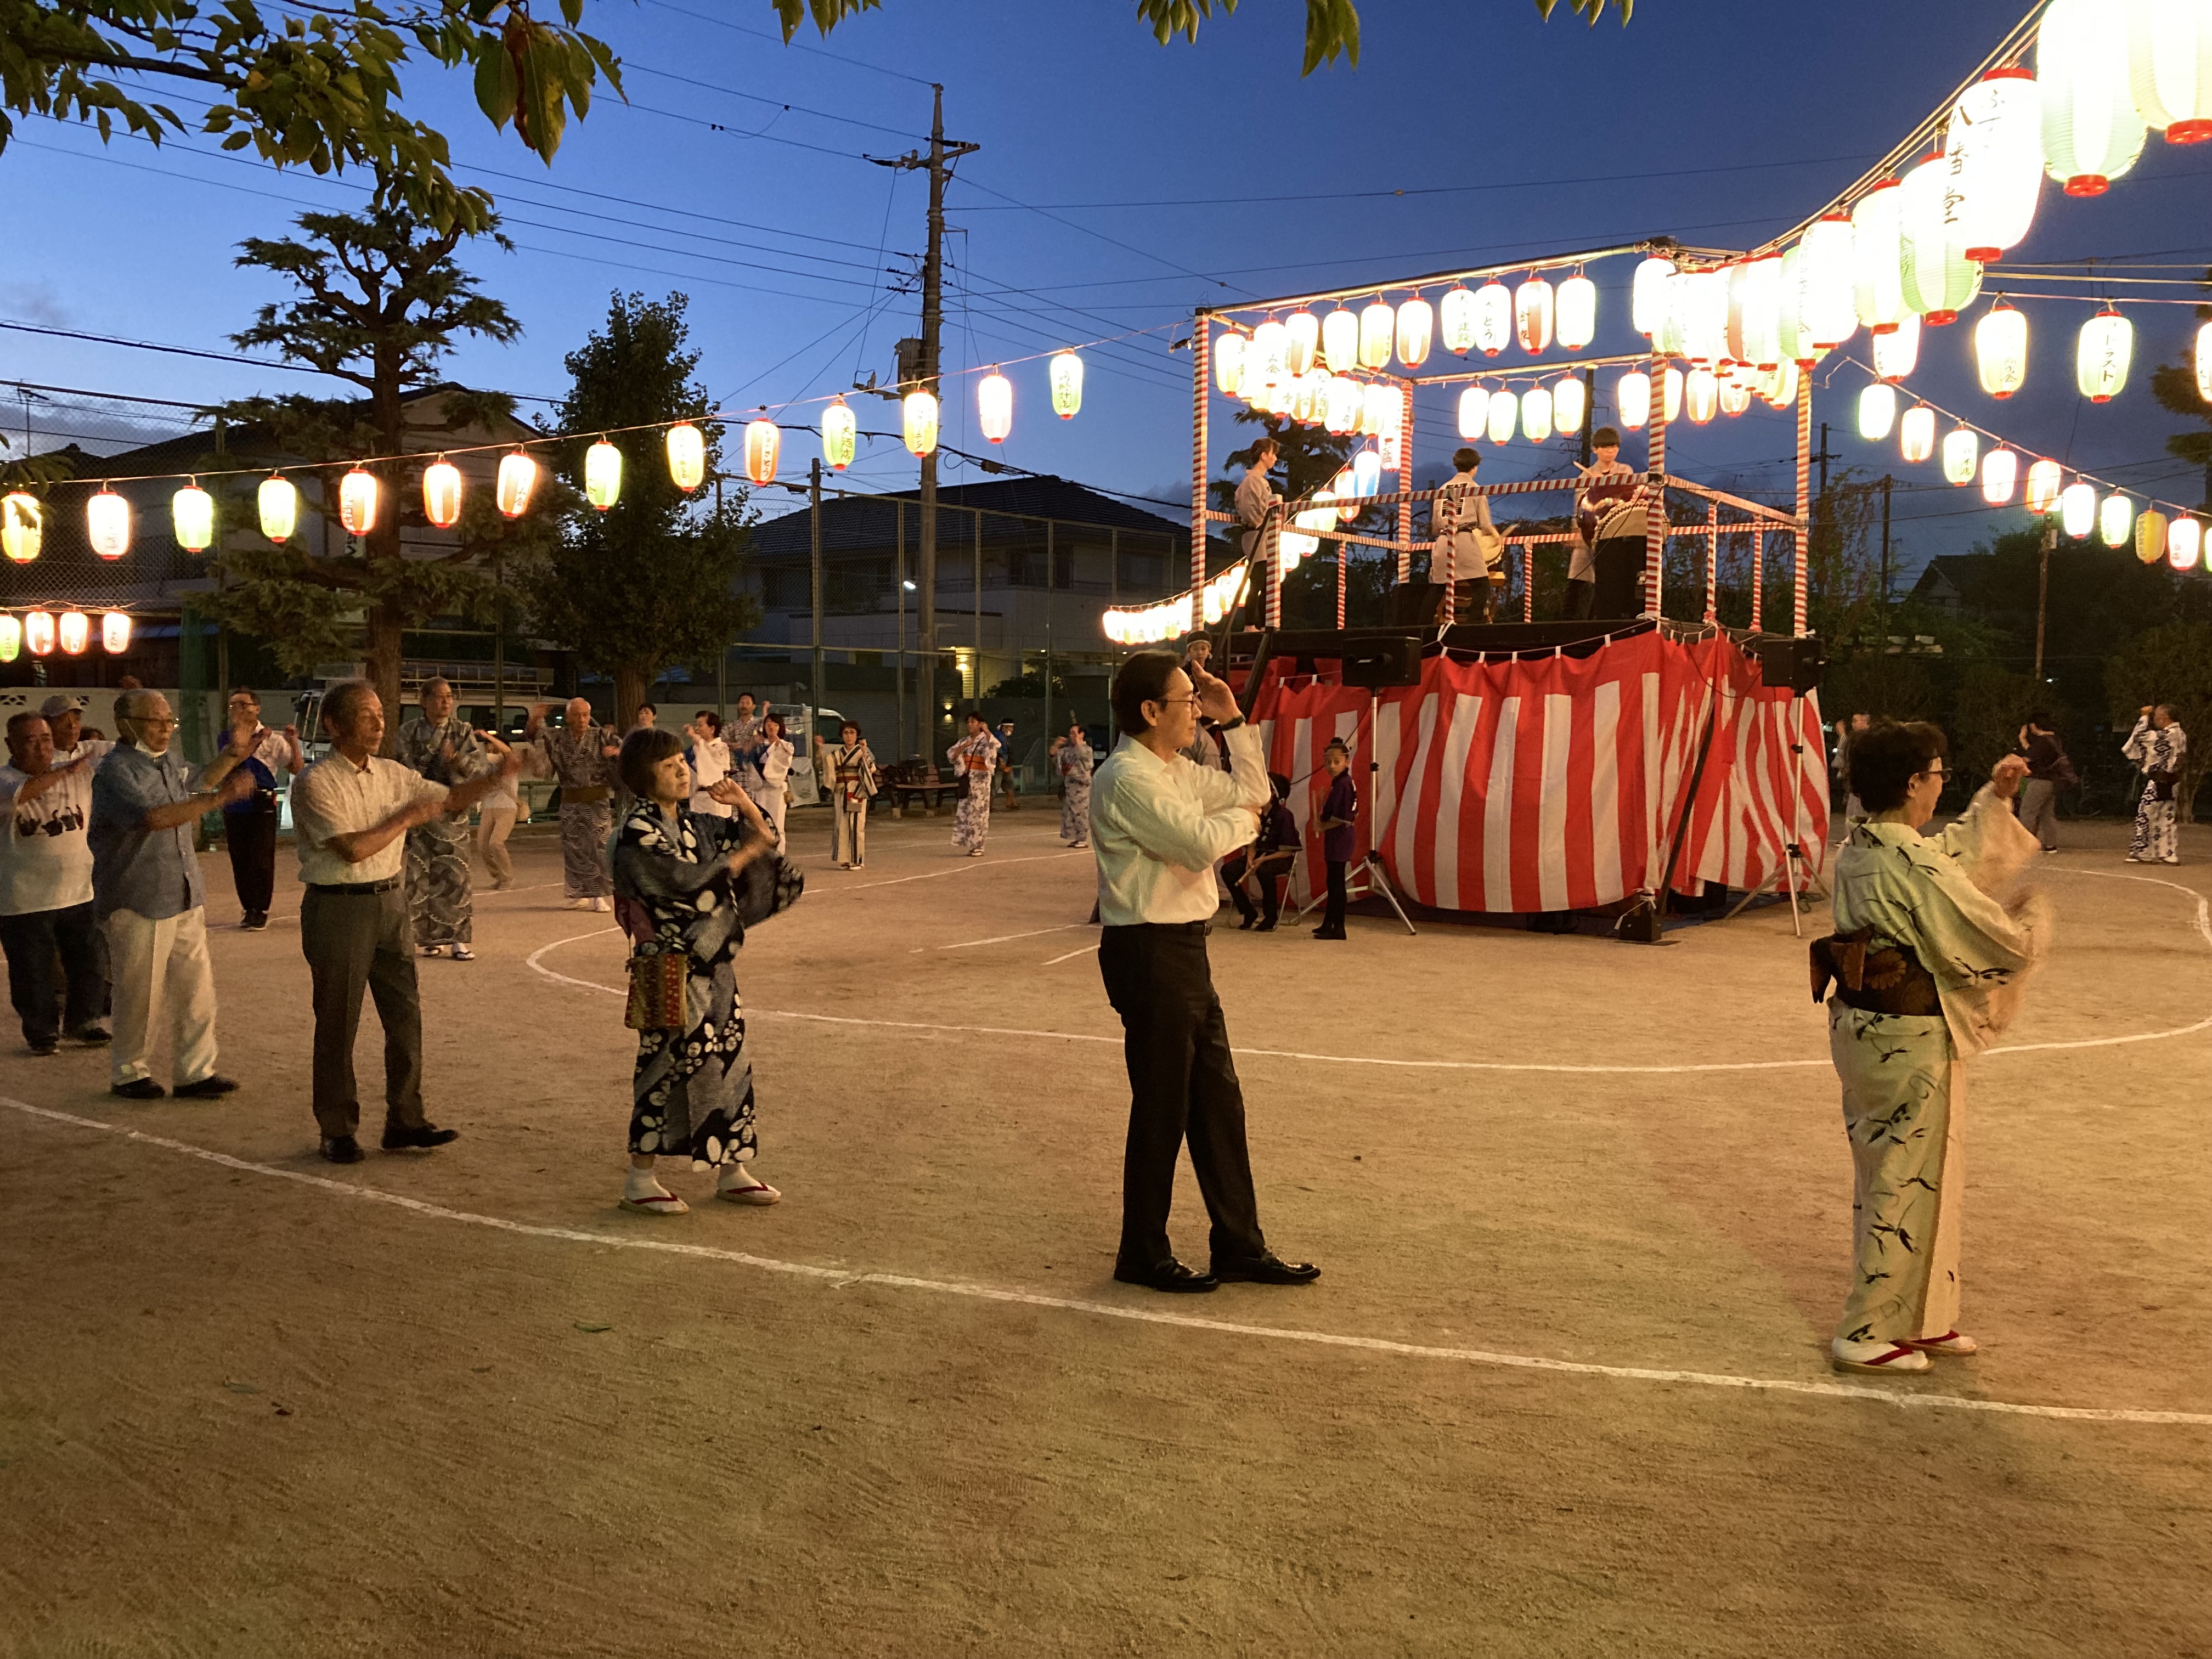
(1084, 951)
(843, 1278)
(1000, 939)
(953, 870)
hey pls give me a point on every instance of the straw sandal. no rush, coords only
(759, 1192)
(1876, 1359)
(1949, 1343)
(658, 1204)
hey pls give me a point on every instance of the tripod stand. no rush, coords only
(1787, 879)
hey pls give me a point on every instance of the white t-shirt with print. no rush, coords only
(46, 862)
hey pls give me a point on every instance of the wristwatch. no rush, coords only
(1229, 725)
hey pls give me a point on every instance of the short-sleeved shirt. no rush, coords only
(270, 753)
(154, 873)
(1342, 801)
(2046, 759)
(45, 861)
(334, 796)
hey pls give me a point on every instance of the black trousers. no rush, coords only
(249, 832)
(1269, 872)
(357, 942)
(1619, 561)
(1581, 594)
(38, 942)
(1182, 1085)
(1331, 915)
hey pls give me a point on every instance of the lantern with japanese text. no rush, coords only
(763, 449)
(516, 479)
(2115, 516)
(73, 631)
(687, 455)
(840, 434)
(2092, 130)
(1962, 451)
(22, 527)
(918, 422)
(11, 638)
(1268, 359)
(2203, 360)
(1735, 395)
(1382, 409)
(2184, 540)
(1533, 305)
(2043, 480)
(2102, 354)
(2001, 350)
(1343, 405)
(359, 496)
(2150, 535)
(106, 525)
(115, 632)
(1456, 317)
(1939, 281)
(1493, 317)
(1995, 147)
(1897, 353)
(441, 494)
(1065, 377)
(602, 470)
(994, 407)
(39, 633)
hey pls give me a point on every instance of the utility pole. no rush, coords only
(814, 509)
(1888, 483)
(2043, 596)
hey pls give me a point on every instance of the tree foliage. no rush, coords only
(2174, 386)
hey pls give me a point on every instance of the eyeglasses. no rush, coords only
(1932, 772)
(152, 720)
(1165, 702)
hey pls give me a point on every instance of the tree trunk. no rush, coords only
(383, 655)
(382, 542)
(630, 682)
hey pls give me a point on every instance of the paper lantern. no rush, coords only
(2092, 130)
(1677, 295)
(1367, 472)
(1536, 413)
(2001, 350)
(1569, 403)
(106, 525)
(994, 406)
(1493, 317)
(115, 632)
(358, 492)
(1701, 395)
(1877, 411)
(1303, 331)
(1416, 322)
(1310, 397)
(22, 527)
(1343, 489)
(2114, 518)
(2077, 509)
(1456, 320)
(1382, 409)
(1533, 303)
(1995, 147)
(1342, 405)
(517, 478)
(602, 470)
(1830, 302)
(441, 492)
(1647, 294)
(39, 633)
(74, 632)
(1878, 258)
(841, 435)
(192, 518)
(763, 449)
(278, 503)
(1735, 395)
(11, 638)
(2184, 540)
(2150, 535)
(1754, 310)
(2170, 70)
(1065, 377)
(1798, 345)
(1897, 353)
(1473, 412)
(1962, 450)
(687, 455)
(1671, 399)
(2043, 479)
(1504, 410)
(1632, 400)
(1705, 315)
(1229, 363)
(1268, 359)
(1938, 280)
(2000, 476)
(1574, 321)
(918, 422)
(1377, 331)
(1780, 390)
(1916, 434)
(1339, 341)
(2204, 362)
(2101, 355)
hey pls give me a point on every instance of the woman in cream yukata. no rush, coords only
(1922, 925)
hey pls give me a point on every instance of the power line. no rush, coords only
(790, 46)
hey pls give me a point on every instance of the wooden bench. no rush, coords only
(910, 781)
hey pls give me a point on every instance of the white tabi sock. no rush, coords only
(734, 1176)
(643, 1184)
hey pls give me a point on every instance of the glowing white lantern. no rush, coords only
(1303, 330)
(1066, 377)
(687, 451)
(1877, 258)
(1877, 411)
(1416, 322)
(1999, 475)
(1473, 412)
(1701, 395)
(1533, 303)
(1575, 317)
(763, 449)
(2169, 69)
(1939, 281)
(1995, 147)
(75, 632)
(2184, 540)
(603, 469)
(1632, 400)
(2101, 355)
(1536, 413)
(1735, 395)
(1342, 405)
(1780, 389)
(1916, 434)
(358, 497)
(1345, 489)
(994, 406)
(1647, 294)
(1897, 353)
(1673, 335)
(840, 433)
(2043, 479)
(108, 524)
(1705, 315)
(22, 527)
(1493, 317)
(39, 632)
(115, 632)
(2001, 350)
(441, 492)
(516, 482)
(2114, 516)
(1671, 400)
(1569, 403)
(1755, 317)
(1383, 410)
(2092, 130)
(1339, 341)
(1456, 318)
(1830, 308)
(1268, 359)
(192, 518)
(11, 638)
(2204, 362)
(1798, 345)
(1504, 410)
(918, 422)
(1367, 472)
(1378, 326)
(2150, 535)
(2077, 509)
(1229, 363)
(1961, 452)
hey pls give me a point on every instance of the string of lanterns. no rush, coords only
(1171, 618)
(42, 631)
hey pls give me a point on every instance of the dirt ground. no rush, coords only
(243, 1412)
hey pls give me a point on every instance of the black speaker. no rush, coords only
(1795, 663)
(1379, 665)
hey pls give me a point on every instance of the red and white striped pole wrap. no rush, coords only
(1343, 557)
(1804, 533)
(1404, 485)
(1712, 561)
(1528, 582)
(1654, 467)
(1758, 577)
(1201, 340)
(1271, 551)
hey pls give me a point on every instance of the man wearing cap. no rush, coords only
(65, 720)
(46, 891)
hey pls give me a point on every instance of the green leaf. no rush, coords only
(496, 86)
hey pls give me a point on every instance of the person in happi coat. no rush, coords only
(580, 755)
(2157, 746)
(1467, 544)
(445, 749)
(851, 771)
(1074, 758)
(692, 883)
(974, 757)
(1930, 959)
(1338, 814)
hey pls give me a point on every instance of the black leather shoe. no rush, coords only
(92, 1036)
(139, 1088)
(214, 1084)
(1268, 1269)
(429, 1135)
(1249, 921)
(1169, 1275)
(342, 1149)
(45, 1046)
(1266, 926)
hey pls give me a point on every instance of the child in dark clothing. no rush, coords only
(1340, 808)
(1266, 860)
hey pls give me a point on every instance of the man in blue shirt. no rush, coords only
(249, 825)
(1339, 811)
(147, 895)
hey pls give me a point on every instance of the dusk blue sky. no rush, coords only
(1119, 183)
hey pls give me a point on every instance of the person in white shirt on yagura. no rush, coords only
(1158, 824)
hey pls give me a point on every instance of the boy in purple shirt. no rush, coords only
(1339, 809)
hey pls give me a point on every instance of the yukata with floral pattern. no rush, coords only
(1903, 1075)
(693, 1089)
(2158, 751)
(1074, 761)
(440, 898)
(974, 757)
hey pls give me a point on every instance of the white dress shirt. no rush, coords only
(334, 796)
(1157, 828)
